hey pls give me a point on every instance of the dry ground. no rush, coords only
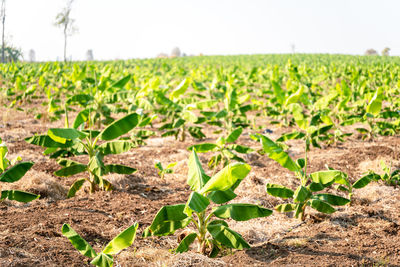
(365, 233)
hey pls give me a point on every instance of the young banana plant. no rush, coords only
(10, 172)
(163, 171)
(306, 194)
(212, 234)
(224, 148)
(104, 258)
(70, 141)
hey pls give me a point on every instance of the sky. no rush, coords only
(124, 29)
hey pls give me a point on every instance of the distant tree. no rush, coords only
(371, 52)
(385, 51)
(3, 20)
(89, 55)
(11, 54)
(32, 55)
(293, 47)
(64, 21)
(162, 55)
(176, 52)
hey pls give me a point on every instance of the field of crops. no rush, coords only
(201, 161)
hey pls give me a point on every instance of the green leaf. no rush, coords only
(62, 135)
(279, 191)
(186, 242)
(81, 118)
(226, 236)
(75, 187)
(375, 105)
(77, 241)
(103, 260)
(325, 177)
(121, 241)
(227, 177)
(46, 141)
(120, 169)
(16, 172)
(241, 212)
(276, 153)
(115, 147)
(220, 197)
(332, 199)
(120, 127)
(19, 196)
(71, 170)
(234, 135)
(197, 202)
(202, 148)
(321, 206)
(362, 182)
(285, 207)
(168, 220)
(121, 83)
(180, 89)
(241, 149)
(301, 194)
(197, 178)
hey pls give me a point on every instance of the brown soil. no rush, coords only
(365, 233)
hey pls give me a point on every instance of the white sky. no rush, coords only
(136, 29)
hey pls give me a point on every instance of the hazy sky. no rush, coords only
(132, 28)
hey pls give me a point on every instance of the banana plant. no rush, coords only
(224, 148)
(105, 257)
(389, 176)
(212, 235)
(10, 172)
(306, 193)
(163, 171)
(85, 142)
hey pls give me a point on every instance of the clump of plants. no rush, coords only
(206, 211)
(105, 257)
(64, 142)
(12, 171)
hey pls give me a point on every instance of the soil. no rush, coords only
(366, 233)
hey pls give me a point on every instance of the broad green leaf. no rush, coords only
(120, 169)
(276, 153)
(188, 115)
(197, 178)
(67, 162)
(332, 199)
(301, 194)
(325, 177)
(279, 191)
(227, 236)
(279, 93)
(81, 118)
(171, 165)
(121, 241)
(96, 165)
(168, 220)
(77, 241)
(121, 83)
(19, 196)
(115, 147)
(180, 89)
(293, 98)
(120, 127)
(321, 206)
(241, 212)
(220, 197)
(75, 187)
(197, 202)
(71, 170)
(241, 149)
(186, 242)
(46, 141)
(103, 260)
(16, 172)
(82, 99)
(375, 105)
(202, 148)
(285, 207)
(227, 177)
(62, 135)
(234, 135)
(362, 182)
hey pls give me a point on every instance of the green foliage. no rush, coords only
(12, 171)
(105, 257)
(162, 171)
(212, 235)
